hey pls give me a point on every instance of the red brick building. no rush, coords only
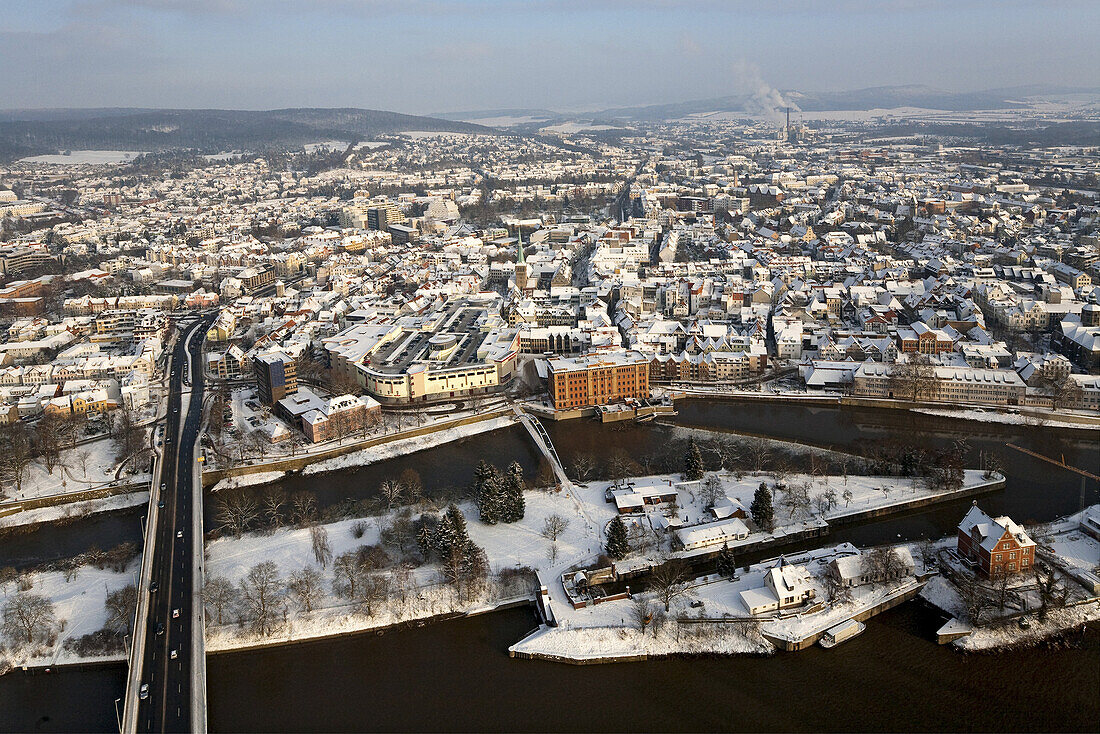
(996, 546)
(598, 379)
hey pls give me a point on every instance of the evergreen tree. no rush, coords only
(489, 503)
(763, 514)
(617, 546)
(693, 462)
(726, 564)
(512, 500)
(458, 523)
(425, 536)
(483, 472)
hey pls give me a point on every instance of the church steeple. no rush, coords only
(521, 264)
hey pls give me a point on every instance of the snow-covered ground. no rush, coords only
(78, 603)
(69, 475)
(1009, 634)
(79, 157)
(248, 480)
(506, 545)
(1016, 419)
(608, 630)
(74, 509)
(623, 641)
(403, 446)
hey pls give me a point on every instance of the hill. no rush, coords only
(34, 132)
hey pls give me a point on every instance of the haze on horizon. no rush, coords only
(429, 56)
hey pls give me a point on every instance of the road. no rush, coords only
(168, 706)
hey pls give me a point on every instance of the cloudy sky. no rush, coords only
(426, 56)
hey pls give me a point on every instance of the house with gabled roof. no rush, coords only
(995, 546)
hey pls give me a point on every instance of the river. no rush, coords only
(456, 675)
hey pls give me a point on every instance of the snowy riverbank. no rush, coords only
(74, 510)
(404, 446)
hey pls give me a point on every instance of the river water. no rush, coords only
(457, 675)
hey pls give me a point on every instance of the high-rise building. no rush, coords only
(384, 216)
(276, 376)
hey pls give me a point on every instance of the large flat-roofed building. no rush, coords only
(276, 376)
(461, 349)
(944, 384)
(582, 382)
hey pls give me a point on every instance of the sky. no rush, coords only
(425, 56)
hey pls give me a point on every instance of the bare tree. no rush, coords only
(274, 499)
(711, 492)
(552, 553)
(348, 572)
(27, 618)
(307, 587)
(620, 465)
(237, 511)
(82, 457)
(261, 591)
(835, 587)
(553, 526)
(391, 491)
(121, 605)
(671, 581)
(1063, 391)
(1053, 592)
(322, 551)
(928, 555)
(583, 466)
(47, 437)
(412, 485)
(257, 441)
(373, 589)
(15, 453)
(759, 454)
(641, 612)
(303, 507)
(218, 596)
(399, 532)
(129, 437)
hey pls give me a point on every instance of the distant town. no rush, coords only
(658, 384)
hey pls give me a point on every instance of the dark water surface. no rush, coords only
(457, 676)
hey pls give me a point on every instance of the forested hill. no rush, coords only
(33, 132)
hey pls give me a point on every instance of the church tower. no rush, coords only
(521, 264)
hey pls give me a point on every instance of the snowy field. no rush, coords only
(506, 546)
(77, 603)
(85, 157)
(71, 475)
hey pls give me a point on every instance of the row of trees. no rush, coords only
(53, 434)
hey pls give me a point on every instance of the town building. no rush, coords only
(582, 382)
(994, 546)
